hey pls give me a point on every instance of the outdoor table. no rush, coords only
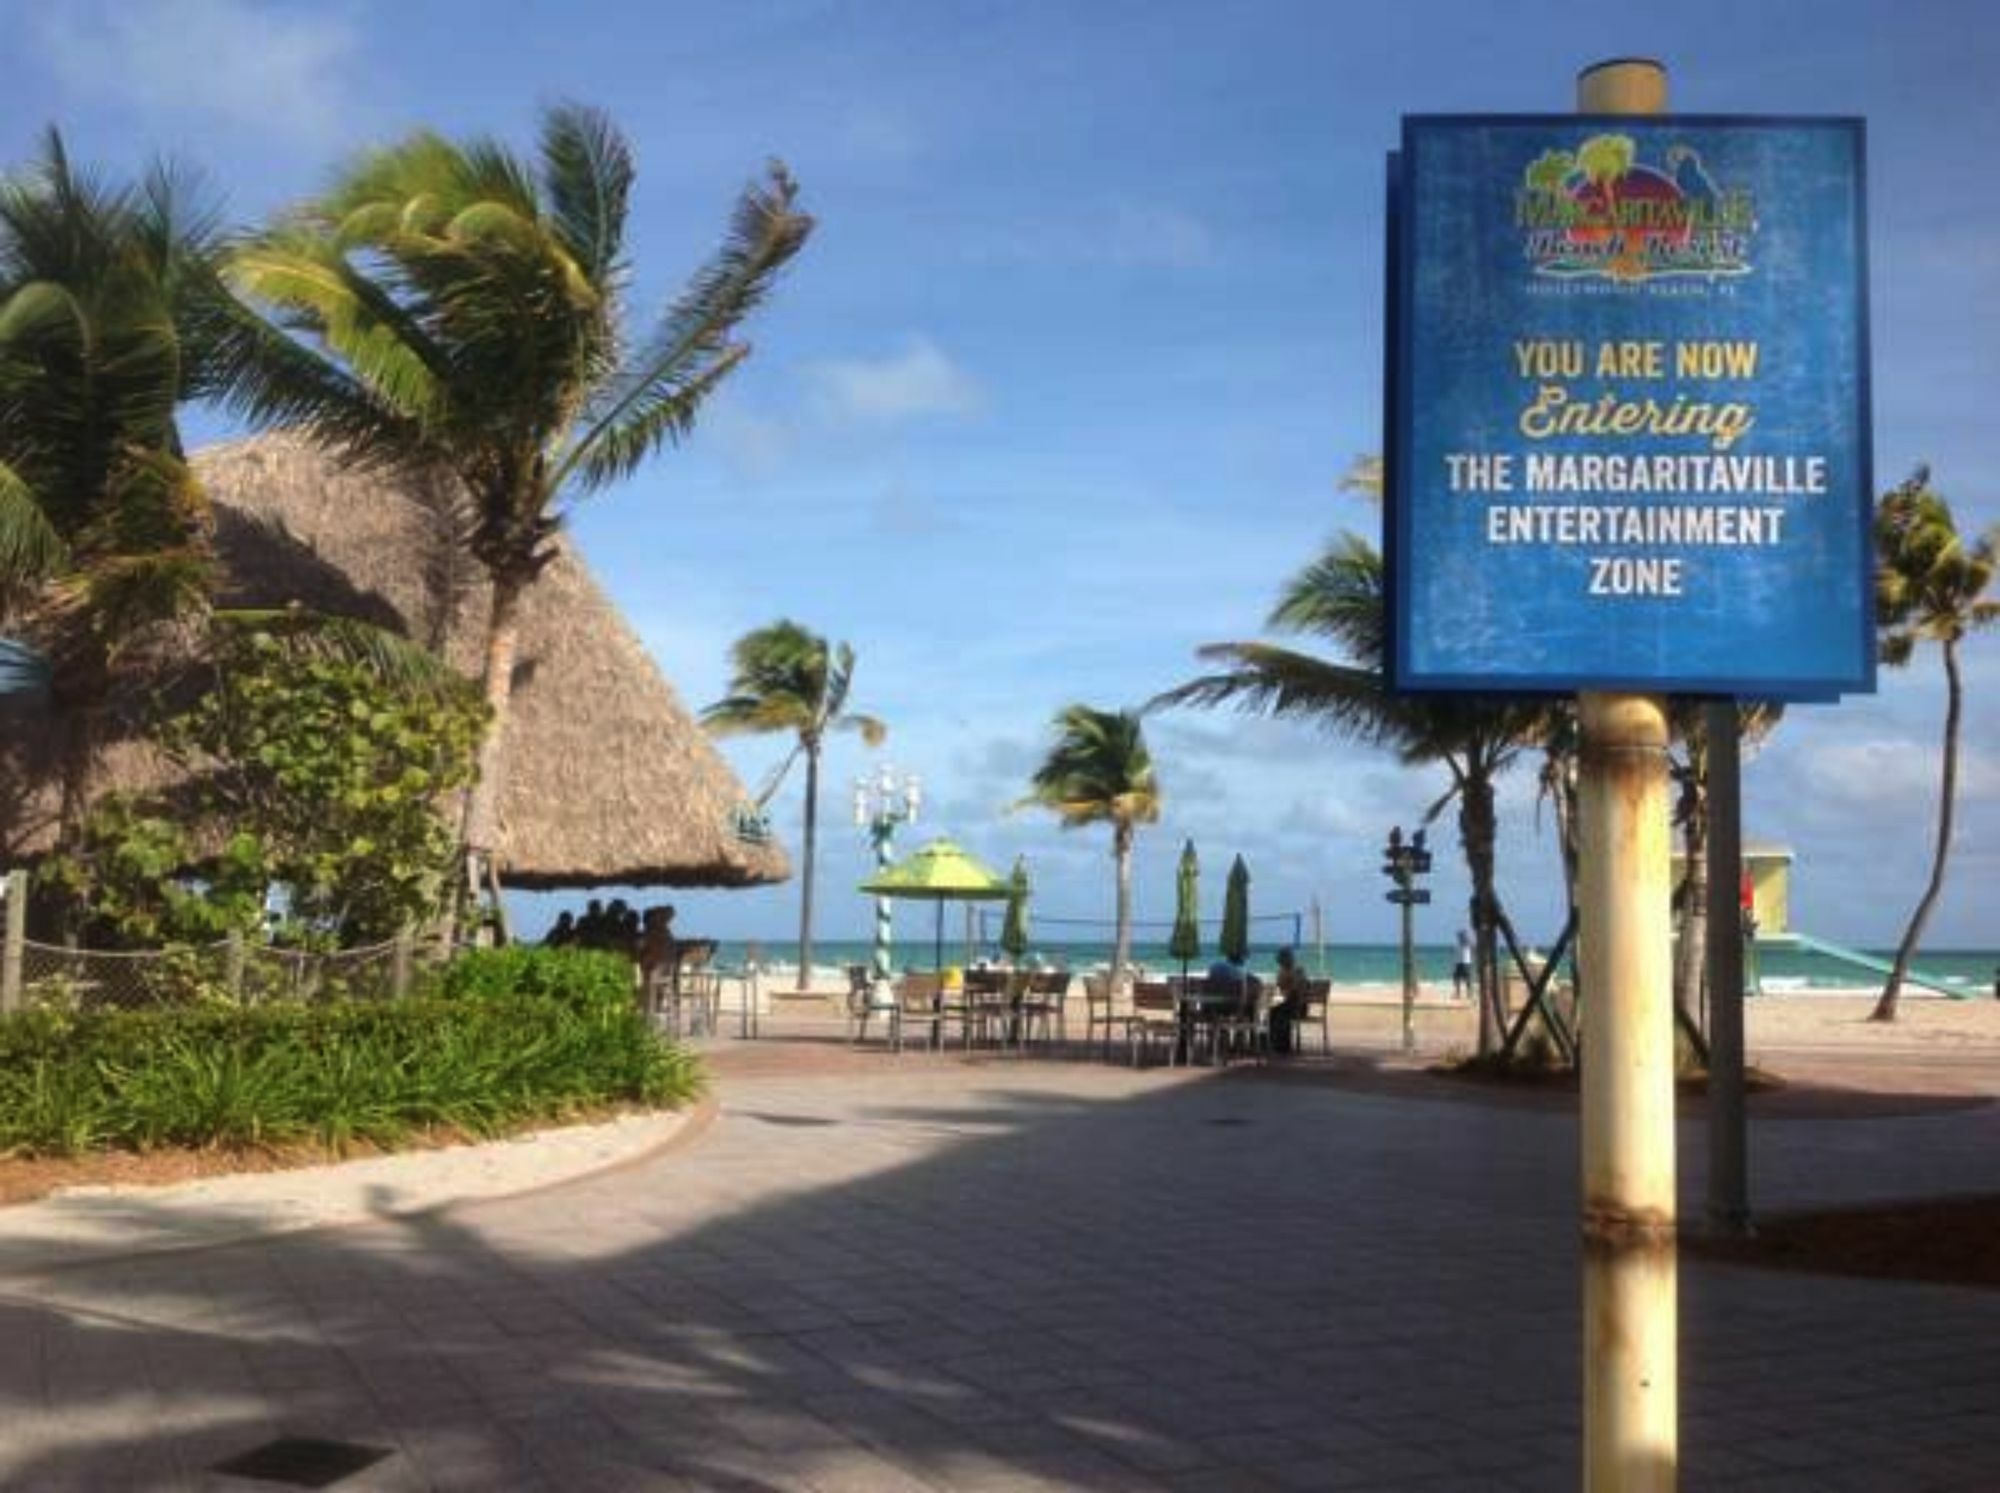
(991, 1001)
(1194, 1003)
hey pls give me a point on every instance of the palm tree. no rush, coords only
(1477, 737)
(453, 308)
(1930, 586)
(1099, 772)
(787, 678)
(1755, 720)
(104, 531)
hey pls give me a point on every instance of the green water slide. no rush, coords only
(1879, 966)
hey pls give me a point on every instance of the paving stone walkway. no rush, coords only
(874, 1275)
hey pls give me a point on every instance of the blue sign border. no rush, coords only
(1398, 380)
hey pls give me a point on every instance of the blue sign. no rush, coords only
(1628, 443)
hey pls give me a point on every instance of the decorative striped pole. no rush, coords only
(883, 833)
(880, 804)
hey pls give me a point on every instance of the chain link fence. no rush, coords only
(45, 974)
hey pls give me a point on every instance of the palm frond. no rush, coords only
(873, 730)
(1340, 595)
(30, 548)
(1268, 679)
(389, 656)
(691, 350)
(738, 715)
(269, 377)
(589, 171)
(1098, 770)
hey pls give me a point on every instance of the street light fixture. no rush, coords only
(881, 803)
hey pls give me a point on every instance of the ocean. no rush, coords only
(1780, 967)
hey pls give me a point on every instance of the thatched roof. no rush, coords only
(609, 780)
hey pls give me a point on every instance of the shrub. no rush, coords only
(580, 978)
(474, 1056)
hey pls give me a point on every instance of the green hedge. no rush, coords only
(494, 1041)
(582, 978)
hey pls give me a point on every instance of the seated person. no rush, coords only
(563, 934)
(1227, 977)
(1294, 989)
(659, 950)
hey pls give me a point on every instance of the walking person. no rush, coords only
(1461, 968)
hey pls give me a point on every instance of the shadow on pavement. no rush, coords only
(1005, 1276)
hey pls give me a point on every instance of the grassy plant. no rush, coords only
(510, 1039)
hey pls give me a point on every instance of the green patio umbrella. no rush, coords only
(1184, 943)
(1234, 942)
(939, 872)
(1014, 930)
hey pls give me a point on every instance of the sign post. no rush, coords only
(1631, 1411)
(1628, 457)
(1403, 863)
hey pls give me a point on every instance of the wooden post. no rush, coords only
(1630, 1394)
(16, 947)
(1728, 1149)
(399, 965)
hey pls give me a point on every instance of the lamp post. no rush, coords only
(881, 803)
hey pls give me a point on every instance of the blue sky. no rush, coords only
(1064, 384)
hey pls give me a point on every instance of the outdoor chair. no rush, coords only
(860, 1002)
(1247, 1028)
(1041, 1006)
(689, 1004)
(985, 1008)
(1205, 1021)
(1319, 994)
(1099, 1010)
(1155, 1015)
(917, 1005)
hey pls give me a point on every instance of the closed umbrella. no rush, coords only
(1234, 942)
(1184, 943)
(939, 872)
(1014, 930)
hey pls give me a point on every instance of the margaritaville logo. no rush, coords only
(1597, 212)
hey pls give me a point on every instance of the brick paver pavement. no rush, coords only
(873, 1275)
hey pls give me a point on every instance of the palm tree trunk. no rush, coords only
(1477, 831)
(1885, 1008)
(480, 827)
(806, 872)
(79, 754)
(1121, 938)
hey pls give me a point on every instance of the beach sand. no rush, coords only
(1824, 1024)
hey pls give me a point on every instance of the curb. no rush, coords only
(71, 1224)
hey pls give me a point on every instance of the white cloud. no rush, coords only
(920, 380)
(243, 63)
(1887, 775)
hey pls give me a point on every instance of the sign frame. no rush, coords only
(1402, 329)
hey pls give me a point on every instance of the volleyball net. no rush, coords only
(1267, 929)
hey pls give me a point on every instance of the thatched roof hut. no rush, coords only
(609, 780)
